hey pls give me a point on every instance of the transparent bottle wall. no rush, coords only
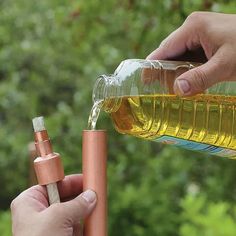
(140, 99)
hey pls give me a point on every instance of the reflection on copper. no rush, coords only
(49, 169)
(48, 166)
(42, 143)
(94, 154)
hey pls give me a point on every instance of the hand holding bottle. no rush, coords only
(215, 34)
(32, 216)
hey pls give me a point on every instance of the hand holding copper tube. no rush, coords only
(32, 216)
(49, 171)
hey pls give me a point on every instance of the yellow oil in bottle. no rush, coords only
(203, 122)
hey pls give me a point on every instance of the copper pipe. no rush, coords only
(94, 157)
(48, 166)
(42, 143)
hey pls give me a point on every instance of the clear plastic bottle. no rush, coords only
(140, 100)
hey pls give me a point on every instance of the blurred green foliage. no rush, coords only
(202, 217)
(50, 55)
(5, 223)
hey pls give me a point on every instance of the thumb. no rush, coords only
(198, 79)
(78, 208)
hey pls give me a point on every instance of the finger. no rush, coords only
(36, 197)
(197, 55)
(199, 79)
(163, 51)
(75, 210)
(71, 186)
(173, 46)
(31, 200)
(178, 42)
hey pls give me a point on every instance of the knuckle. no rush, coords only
(200, 79)
(223, 62)
(57, 209)
(196, 18)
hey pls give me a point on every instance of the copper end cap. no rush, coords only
(49, 169)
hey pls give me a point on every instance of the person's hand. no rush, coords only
(31, 215)
(215, 34)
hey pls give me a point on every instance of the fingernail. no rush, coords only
(89, 196)
(182, 87)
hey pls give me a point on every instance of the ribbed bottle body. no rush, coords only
(143, 104)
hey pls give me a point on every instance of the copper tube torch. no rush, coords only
(48, 165)
(94, 157)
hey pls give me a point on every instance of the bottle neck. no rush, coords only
(106, 90)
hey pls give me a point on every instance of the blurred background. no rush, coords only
(51, 53)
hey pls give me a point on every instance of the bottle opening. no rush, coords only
(106, 92)
(99, 89)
